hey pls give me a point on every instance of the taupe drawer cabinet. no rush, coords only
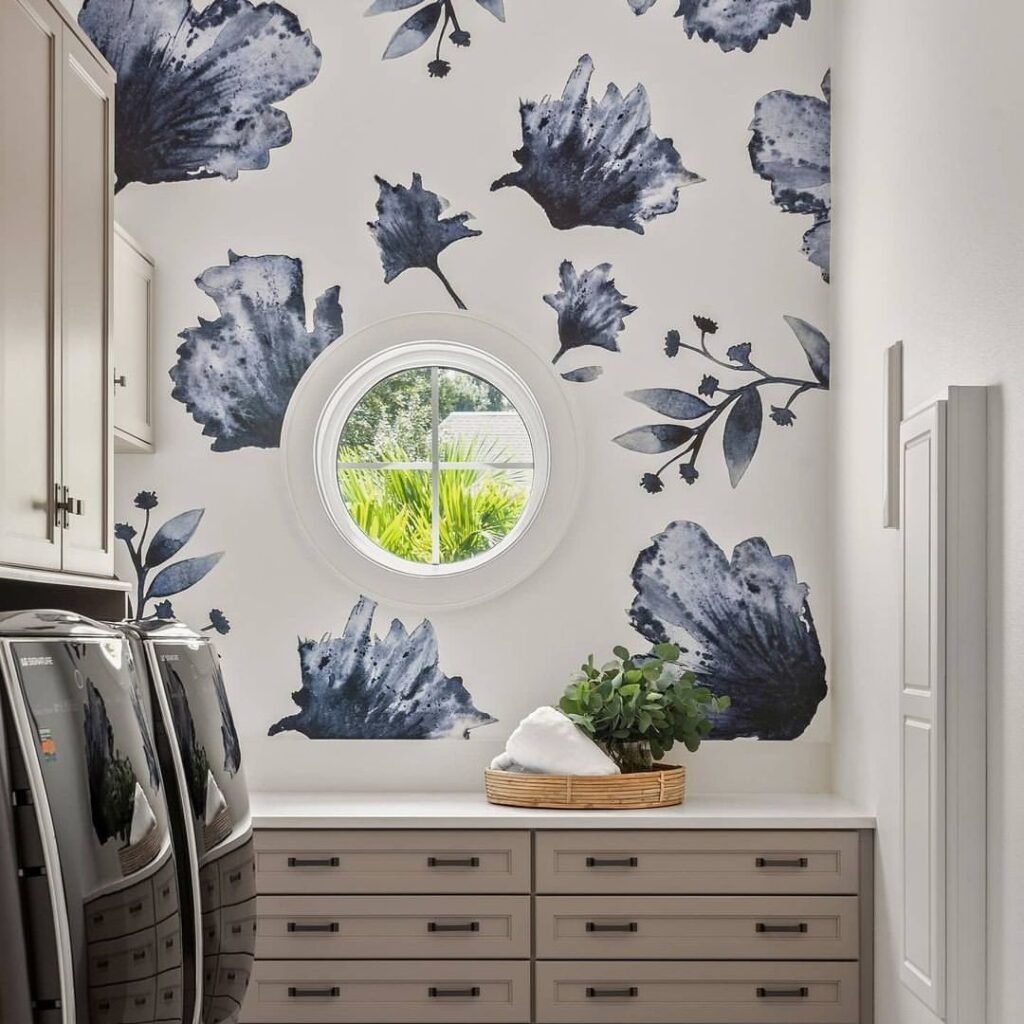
(562, 926)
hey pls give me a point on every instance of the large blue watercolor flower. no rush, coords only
(195, 89)
(590, 308)
(361, 687)
(410, 231)
(733, 24)
(744, 627)
(791, 148)
(237, 373)
(588, 161)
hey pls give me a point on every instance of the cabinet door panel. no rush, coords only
(85, 227)
(30, 35)
(133, 313)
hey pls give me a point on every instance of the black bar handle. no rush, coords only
(453, 862)
(313, 993)
(624, 926)
(314, 862)
(783, 993)
(444, 926)
(135, 908)
(612, 862)
(235, 876)
(781, 862)
(762, 927)
(326, 926)
(613, 993)
(453, 993)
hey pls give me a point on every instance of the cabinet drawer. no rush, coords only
(165, 892)
(168, 995)
(123, 959)
(238, 928)
(238, 875)
(168, 943)
(132, 1003)
(335, 861)
(389, 992)
(400, 927)
(696, 992)
(697, 862)
(232, 976)
(120, 913)
(697, 927)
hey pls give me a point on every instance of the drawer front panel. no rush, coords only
(127, 958)
(697, 927)
(169, 995)
(392, 927)
(702, 992)
(237, 875)
(238, 928)
(389, 992)
(420, 861)
(120, 913)
(697, 862)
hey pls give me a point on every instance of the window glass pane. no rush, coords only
(478, 423)
(478, 509)
(392, 507)
(391, 422)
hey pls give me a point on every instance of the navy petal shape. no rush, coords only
(588, 161)
(173, 536)
(583, 375)
(739, 24)
(791, 148)
(182, 575)
(744, 627)
(236, 374)
(410, 231)
(195, 89)
(359, 686)
(590, 309)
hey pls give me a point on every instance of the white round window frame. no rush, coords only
(343, 374)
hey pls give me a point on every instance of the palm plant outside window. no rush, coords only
(435, 466)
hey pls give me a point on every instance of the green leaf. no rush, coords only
(621, 653)
(667, 652)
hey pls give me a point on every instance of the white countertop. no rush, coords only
(471, 810)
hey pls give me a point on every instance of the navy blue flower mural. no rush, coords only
(590, 311)
(196, 88)
(588, 161)
(410, 231)
(236, 374)
(744, 627)
(740, 405)
(583, 375)
(168, 540)
(733, 24)
(431, 16)
(361, 687)
(791, 148)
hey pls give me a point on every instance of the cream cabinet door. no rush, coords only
(30, 46)
(85, 227)
(133, 333)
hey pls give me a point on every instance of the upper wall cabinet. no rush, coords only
(56, 217)
(133, 345)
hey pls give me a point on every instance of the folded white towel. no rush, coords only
(215, 802)
(546, 742)
(143, 818)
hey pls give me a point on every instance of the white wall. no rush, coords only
(928, 247)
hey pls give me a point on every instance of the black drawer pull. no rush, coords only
(781, 862)
(167, 995)
(624, 926)
(134, 908)
(443, 926)
(326, 926)
(235, 876)
(139, 955)
(141, 1000)
(313, 993)
(165, 892)
(613, 993)
(169, 943)
(783, 993)
(98, 918)
(612, 862)
(453, 862)
(102, 965)
(454, 993)
(236, 929)
(230, 975)
(762, 928)
(314, 862)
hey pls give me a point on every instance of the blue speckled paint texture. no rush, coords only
(733, 24)
(590, 308)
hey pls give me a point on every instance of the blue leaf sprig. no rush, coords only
(168, 540)
(741, 406)
(424, 22)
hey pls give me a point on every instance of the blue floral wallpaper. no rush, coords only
(341, 150)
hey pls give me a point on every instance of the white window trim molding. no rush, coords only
(342, 374)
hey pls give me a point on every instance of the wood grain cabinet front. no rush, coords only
(404, 927)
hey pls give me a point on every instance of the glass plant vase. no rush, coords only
(634, 757)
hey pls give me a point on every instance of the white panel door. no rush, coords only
(30, 34)
(133, 331)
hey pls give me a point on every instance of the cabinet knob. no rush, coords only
(120, 381)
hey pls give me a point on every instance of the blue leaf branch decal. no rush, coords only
(791, 148)
(172, 537)
(182, 575)
(583, 375)
(590, 309)
(588, 161)
(742, 405)
(435, 16)
(733, 24)
(410, 231)
(196, 88)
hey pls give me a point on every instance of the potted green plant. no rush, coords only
(635, 707)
